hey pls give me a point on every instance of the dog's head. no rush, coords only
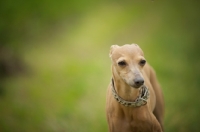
(128, 62)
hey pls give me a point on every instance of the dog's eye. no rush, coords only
(142, 62)
(122, 63)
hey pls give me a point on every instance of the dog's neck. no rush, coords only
(123, 89)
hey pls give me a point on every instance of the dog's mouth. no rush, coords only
(135, 86)
(136, 83)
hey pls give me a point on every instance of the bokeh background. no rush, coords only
(55, 69)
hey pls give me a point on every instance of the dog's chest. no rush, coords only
(144, 126)
(142, 122)
(136, 126)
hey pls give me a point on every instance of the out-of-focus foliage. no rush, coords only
(60, 48)
(21, 20)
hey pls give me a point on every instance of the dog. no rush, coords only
(134, 101)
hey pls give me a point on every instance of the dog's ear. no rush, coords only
(112, 48)
(139, 48)
(135, 44)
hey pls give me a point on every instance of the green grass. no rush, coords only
(66, 86)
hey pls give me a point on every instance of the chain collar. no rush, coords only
(140, 100)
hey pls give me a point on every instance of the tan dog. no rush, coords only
(134, 98)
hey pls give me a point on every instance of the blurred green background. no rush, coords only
(55, 69)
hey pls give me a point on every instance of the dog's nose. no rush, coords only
(139, 81)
